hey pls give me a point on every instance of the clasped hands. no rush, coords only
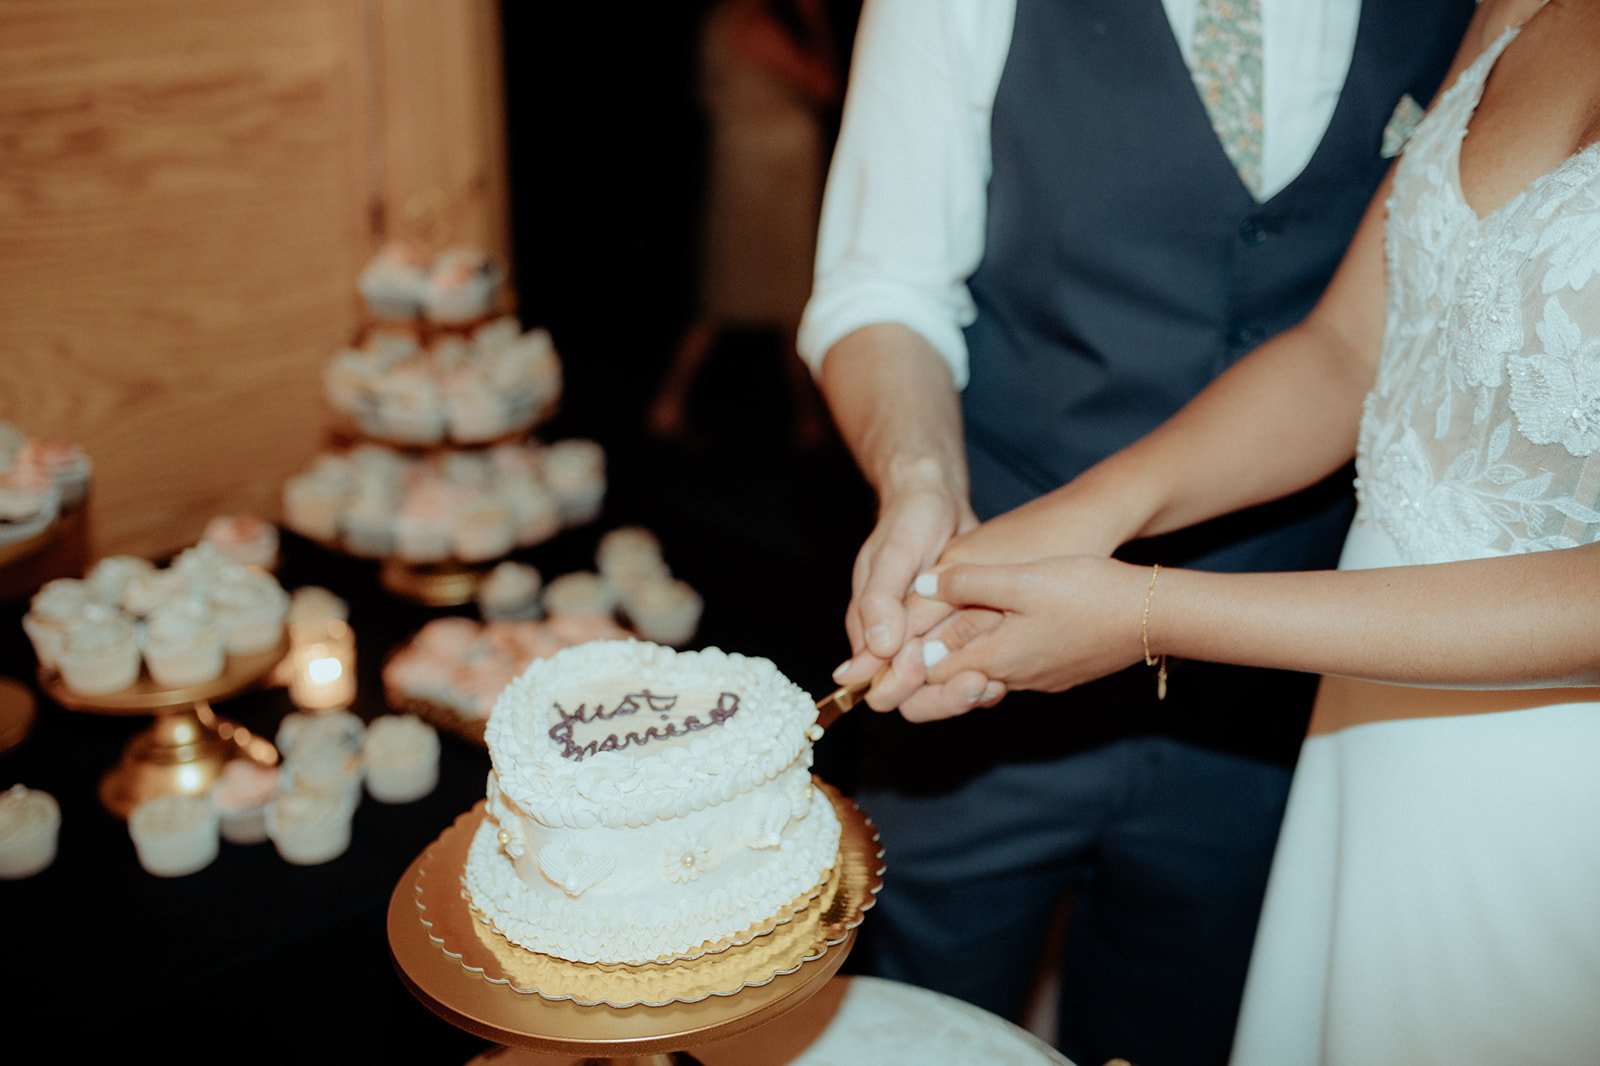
(961, 613)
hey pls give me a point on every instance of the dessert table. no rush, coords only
(255, 956)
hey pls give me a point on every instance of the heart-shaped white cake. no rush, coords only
(645, 802)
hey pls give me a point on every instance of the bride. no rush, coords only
(1435, 897)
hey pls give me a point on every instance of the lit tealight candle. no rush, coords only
(324, 675)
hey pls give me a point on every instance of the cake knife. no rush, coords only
(841, 699)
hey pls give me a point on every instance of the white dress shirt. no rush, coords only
(904, 212)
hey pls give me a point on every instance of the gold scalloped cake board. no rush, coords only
(473, 977)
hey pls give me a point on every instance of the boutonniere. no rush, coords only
(1402, 123)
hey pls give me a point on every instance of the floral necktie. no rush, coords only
(1227, 72)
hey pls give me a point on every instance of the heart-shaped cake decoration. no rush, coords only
(574, 868)
(768, 821)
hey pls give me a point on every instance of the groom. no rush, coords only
(1048, 224)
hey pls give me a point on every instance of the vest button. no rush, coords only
(1252, 232)
(1244, 337)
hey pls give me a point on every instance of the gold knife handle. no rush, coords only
(841, 699)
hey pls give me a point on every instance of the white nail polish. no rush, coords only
(926, 585)
(933, 652)
(841, 668)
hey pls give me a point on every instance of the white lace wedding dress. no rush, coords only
(1435, 897)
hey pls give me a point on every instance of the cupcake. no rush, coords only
(375, 468)
(347, 380)
(483, 531)
(108, 579)
(410, 407)
(582, 628)
(425, 529)
(308, 826)
(251, 608)
(511, 590)
(175, 835)
(535, 513)
(30, 824)
(470, 469)
(630, 557)
(245, 539)
(241, 796)
(391, 283)
(574, 472)
(322, 751)
(460, 287)
(99, 652)
(448, 638)
(56, 605)
(313, 604)
(666, 612)
(65, 463)
(369, 525)
(183, 644)
(582, 592)
(144, 592)
(29, 501)
(401, 755)
(413, 674)
(497, 333)
(311, 505)
(476, 412)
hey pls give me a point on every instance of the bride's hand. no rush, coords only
(1061, 622)
(1049, 526)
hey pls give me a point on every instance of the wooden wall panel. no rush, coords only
(188, 190)
(441, 134)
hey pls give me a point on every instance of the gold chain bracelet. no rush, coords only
(1158, 661)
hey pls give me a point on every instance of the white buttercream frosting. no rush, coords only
(644, 802)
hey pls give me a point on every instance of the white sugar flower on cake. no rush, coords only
(686, 859)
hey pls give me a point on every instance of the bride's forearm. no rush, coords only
(1526, 621)
(1281, 419)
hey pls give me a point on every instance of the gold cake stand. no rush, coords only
(469, 975)
(184, 749)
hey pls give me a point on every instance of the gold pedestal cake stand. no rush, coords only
(185, 748)
(472, 977)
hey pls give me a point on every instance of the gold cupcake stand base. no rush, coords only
(473, 978)
(185, 748)
(446, 584)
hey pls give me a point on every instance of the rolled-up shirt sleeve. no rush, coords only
(903, 214)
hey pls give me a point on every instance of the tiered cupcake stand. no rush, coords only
(184, 749)
(472, 977)
(447, 582)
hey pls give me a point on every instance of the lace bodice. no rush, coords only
(1481, 435)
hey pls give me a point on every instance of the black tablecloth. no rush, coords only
(254, 957)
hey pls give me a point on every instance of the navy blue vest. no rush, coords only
(1126, 266)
